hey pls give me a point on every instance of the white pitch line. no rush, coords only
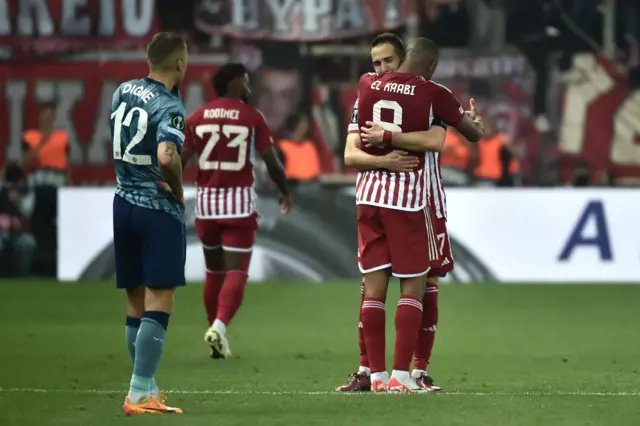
(294, 393)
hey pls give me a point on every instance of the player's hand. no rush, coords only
(372, 135)
(178, 197)
(285, 204)
(473, 111)
(473, 114)
(400, 161)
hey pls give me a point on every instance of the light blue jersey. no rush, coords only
(143, 114)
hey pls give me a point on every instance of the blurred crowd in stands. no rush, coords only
(541, 70)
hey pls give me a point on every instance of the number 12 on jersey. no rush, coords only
(121, 120)
(237, 137)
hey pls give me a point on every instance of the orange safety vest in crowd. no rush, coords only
(53, 154)
(455, 153)
(514, 166)
(301, 160)
(489, 165)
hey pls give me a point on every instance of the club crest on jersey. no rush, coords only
(178, 122)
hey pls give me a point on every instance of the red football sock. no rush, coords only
(212, 286)
(231, 295)
(373, 322)
(364, 361)
(427, 334)
(408, 317)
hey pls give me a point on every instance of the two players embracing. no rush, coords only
(398, 128)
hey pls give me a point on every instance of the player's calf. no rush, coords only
(373, 320)
(236, 263)
(215, 274)
(149, 343)
(426, 336)
(408, 316)
(135, 310)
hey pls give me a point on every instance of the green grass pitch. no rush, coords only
(505, 355)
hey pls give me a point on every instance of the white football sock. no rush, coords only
(220, 326)
(365, 370)
(384, 376)
(401, 376)
(417, 373)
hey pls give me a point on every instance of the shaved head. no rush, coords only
(422, 58)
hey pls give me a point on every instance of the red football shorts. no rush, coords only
(445, 257)
(401, 240)
(235, 234)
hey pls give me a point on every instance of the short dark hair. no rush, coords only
(392, 39)
(426, 48)
(162, 46)
(225, 75)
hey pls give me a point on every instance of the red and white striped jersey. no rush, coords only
(226, 133)
(437, 196)
(402, 102)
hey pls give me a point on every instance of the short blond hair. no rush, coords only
(163, 48)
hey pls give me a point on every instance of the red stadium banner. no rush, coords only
(82, 91)
(300, 20)
(600, 125)
(33, 28)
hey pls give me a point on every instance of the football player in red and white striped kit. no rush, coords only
(376, 187)
(225, 134)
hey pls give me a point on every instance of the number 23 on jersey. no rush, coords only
(233, 136)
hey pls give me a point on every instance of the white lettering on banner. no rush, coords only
(138, 16)
(348, 13)
(318, 14)
(593, 213)
(481, 66)
(302, 18)
(5, 25)
(38, 11)
(15, 94)
(77, 18)
(107, 24)
(96, 152)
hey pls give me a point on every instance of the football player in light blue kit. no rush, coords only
(147, 124)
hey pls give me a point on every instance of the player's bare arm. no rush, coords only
(430, 140)
(395, 161)
(278, 176)
(171, 167)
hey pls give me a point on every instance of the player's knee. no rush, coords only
(376, 284)
(213, 259)
(135, 302)
(412, 287)
(237, 260)
(159, 299)
(432, 282)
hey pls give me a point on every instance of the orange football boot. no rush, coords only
(148, 405)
